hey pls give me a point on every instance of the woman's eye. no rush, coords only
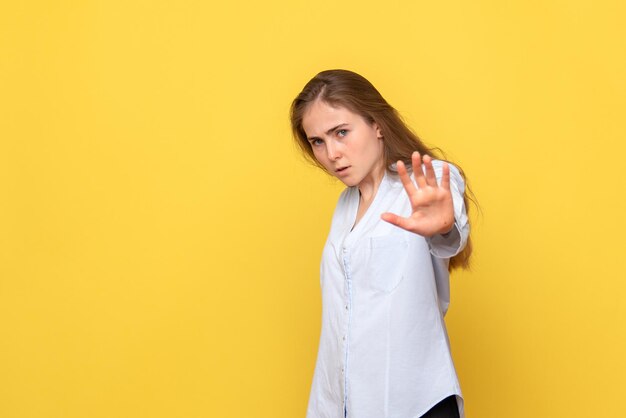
(317, 142)
(342, 132)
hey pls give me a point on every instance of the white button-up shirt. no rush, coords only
(384, 350)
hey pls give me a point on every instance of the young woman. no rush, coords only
(399, 227)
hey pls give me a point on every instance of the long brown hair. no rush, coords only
(350, 90)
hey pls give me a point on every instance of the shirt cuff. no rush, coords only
(448, 245)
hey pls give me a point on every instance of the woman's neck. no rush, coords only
(369, 185)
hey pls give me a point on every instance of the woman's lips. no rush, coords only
(342, 170)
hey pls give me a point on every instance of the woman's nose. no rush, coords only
(331, 151)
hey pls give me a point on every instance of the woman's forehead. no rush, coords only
(321, 116)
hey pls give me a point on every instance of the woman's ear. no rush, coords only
(379, 133)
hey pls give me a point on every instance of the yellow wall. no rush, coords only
(160, 237)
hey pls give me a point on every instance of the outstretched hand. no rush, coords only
(431, 203)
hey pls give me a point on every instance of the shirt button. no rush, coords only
(344, 337)
(346, 307)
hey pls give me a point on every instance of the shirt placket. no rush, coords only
(347, 314)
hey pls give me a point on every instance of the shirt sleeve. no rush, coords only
(452, 243)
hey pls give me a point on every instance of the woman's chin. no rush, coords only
(349, 183)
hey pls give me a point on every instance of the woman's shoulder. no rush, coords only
(455, 173)
(438, 164)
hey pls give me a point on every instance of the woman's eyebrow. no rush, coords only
(330, 131)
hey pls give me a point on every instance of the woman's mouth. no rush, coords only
(341, 170)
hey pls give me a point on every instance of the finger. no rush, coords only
(406, 180)
(445, 178)
(431, 179)
(418, 173)
(399, 221)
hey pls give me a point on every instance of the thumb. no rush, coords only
(396, 220)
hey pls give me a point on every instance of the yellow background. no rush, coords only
(160, 236)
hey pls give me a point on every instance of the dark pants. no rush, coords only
(447, 408)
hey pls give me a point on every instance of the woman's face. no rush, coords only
(344, 143)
